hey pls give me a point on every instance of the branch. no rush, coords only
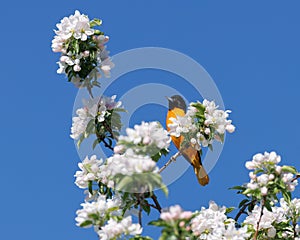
(107, 145)
(242, 210)
(258, 222)
(140, 215)
(295, 178)
(157, 205)
(172, 159)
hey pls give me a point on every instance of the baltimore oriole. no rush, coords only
(177, 107)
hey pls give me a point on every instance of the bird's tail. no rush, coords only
(193, 156)
(201, 174)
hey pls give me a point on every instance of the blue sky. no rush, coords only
(251, 50)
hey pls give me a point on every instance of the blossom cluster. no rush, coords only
(96, 212)
(202, 124)
(269, 177)
(89, 171)
(98, 116)
(212, 223)
(279, 220)
(148, 138)
(175, 213)
(115, 229)
(129, 164)
(105, 214)
(82, 49)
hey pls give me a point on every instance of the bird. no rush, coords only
(177, 107)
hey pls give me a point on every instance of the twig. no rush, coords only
(295, 178)
(107, 145)
(172, 159)
(242, 210)
(258, 222)
(140, 214)
(157, 205)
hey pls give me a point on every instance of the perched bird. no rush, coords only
(177, 107)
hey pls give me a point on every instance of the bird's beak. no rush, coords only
(169, 99)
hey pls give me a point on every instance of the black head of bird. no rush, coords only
(176, 101)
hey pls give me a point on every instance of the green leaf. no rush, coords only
(94, 216)
(95, 22)
(210, 146)
(229, 210)
(120, 110)
(90, 187)
(125, 183)
(268, 206)
(237, 188)
(96, 142)
(86, 223)
(90, 126)
(80, 140)
(247, 191)
(287, 196)
(140, 238)
(221, 137)
(165, 190)
(97, 32)
(146, 208)
(76, 47)
(289, 169)
(158, 223)
(243, 202)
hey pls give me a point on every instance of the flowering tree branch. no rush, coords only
(127, 179)
(172, 159)
(260, 217)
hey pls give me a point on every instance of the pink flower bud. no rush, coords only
(252, 175)
(271, 177)
(264, 191)
(230, 128)
(207, 131)
(181, 224)
(146, 140)
(278, 169)
(166, 216)
(250, 165)
(86, 53)
(118, 149)
(64, 58)
(76, 68)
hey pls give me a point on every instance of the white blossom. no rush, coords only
(77, 25)
(129, 164)
(114, 229)
(212, 223)
(89, 169)
(96, 107)
(268, 170)
(150, 134)
(101, 207)
(292, 209)
(175, 213)
(260, 160)
(71, 31)
(215, 124)
(266, 221)
(80, 122)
